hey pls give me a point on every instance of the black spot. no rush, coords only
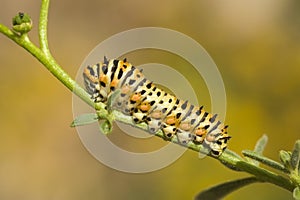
(178, 115)
(152, 103)
(204, 116)
(123, 95)
(177, 101)
(211, 120)
(116, 62)
(193, 121)
(199, 111)
(164, 110)
(102, 84)
(120, 74)
(206, 127)
(143, 92)
(112, 88)
(149, 85)
(161, 102)
(158, 94)
(125, 60)
(170, 100)
(159, 124)
(132, 81)
(169, 135)
(119, 103)
(132, 102)
(154, 89)
(104, 69)
(183, 106)
(113, 70)
(136, 120)
(150, 93)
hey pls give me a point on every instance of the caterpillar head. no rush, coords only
(91, 76)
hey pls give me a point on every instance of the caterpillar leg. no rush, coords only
(184, 137)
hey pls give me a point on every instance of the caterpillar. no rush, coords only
(145, 102)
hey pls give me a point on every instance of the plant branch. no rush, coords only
(228, 158)
(43, 23)
(265, 160)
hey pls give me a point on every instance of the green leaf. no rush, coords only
(285, 158)
(296, 193)
(85, 119)
(259, 148)
(296, 156)
(261, 144)
(111, 99)
(220, 191)
(265, 160)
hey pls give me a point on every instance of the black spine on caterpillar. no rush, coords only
(145, 102)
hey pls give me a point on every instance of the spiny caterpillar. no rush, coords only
(145, 102)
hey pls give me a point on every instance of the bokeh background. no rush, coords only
(255, 45)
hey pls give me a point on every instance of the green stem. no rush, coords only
(45, 57)
(43, 23)
(228, 158)
(261, 173)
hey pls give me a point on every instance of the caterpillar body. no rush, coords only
(145, 102)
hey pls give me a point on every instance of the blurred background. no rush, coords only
(255, 45)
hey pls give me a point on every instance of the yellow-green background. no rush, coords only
(255, 45)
